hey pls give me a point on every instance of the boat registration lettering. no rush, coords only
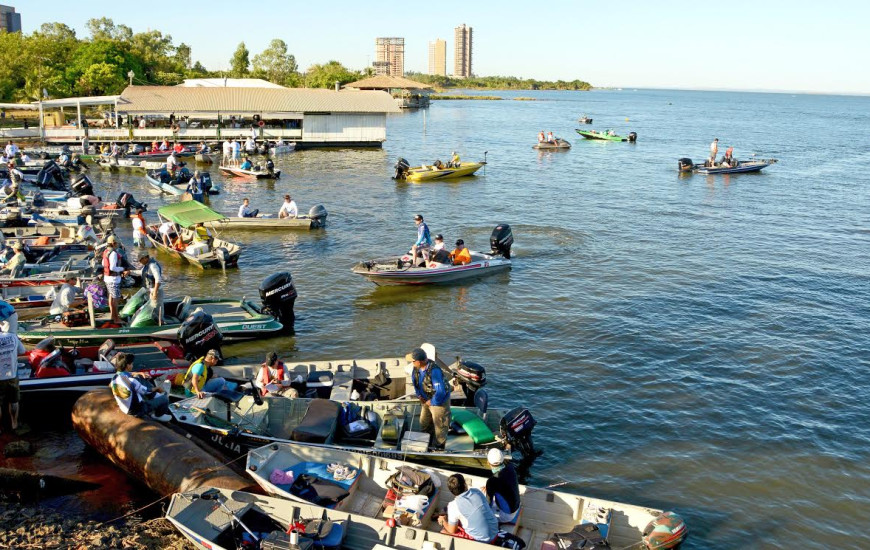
(255, 327)
(234, 447)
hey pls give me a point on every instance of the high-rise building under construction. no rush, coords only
(438, 57)
(390, 56)
(462, 51)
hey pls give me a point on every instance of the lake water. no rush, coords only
(690, 343)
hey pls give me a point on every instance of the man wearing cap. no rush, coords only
(200, 376)
(423, 242)
(503, 488)
(272, 374)
(289, 208)
(468, 515)
(112, 273)
(15, 266)
(439, 253)
(434, 394)
(134, 397)
(65, 297)
(152, 280)
(460, 254)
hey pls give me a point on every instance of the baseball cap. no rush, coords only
(17, 246)
(214, 353)
(495, 457)
(111, 239)
(439, 236)
(144, 255)
(459, 242)
(418, 217)
(417, 354)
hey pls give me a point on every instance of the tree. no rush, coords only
(182, 55)
(101, 79)
(239, 63)
(325, 76)
(275, 63)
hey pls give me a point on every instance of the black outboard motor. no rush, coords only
(501, 240)
(632, 137)
(270, 166)
(82, 186)
(686, 164)
(50, 177)
(516, 428)
(278, 294)
(198, 334)
(318, 215)
(128, 202)
(401, 169)
(471, 377)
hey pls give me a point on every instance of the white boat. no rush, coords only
(113, 164)
(258, 174)
(282, 149)
(363, 494)
(315, 219)
(401, 271)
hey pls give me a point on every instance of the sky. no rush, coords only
(771, 45)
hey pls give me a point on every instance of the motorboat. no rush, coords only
(584, 120)
(436, 171)
(204, 317)
(216, 254)
(315, 219)
(606, 135)
(726, 167)
(366, 489)
(282, 149)
(113, 164)
(163, 155)
(402, 271)
(256, 172)
(176, 184)
(557, 144)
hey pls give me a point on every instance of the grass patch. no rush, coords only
(461, 96)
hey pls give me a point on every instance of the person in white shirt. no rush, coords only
(245, 210)
(250, 145)
(227, 151)
(166, 230)
(289, 208)
(134, 397)
(152, 279)
(86, 232)
(11, 149)
(714, 150)
(171, 163)
(65, 297)
(112, 273)
(142, 123)
(10, 348)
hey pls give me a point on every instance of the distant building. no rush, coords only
(389, 56)
(9, 20)
(462, 51)
(438, 57)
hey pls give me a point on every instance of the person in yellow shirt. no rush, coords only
(460, 254)
(454, 160)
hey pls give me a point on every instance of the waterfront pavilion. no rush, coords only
(406, 92)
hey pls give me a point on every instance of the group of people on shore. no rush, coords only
(424, 250)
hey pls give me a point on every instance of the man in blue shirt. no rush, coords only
(423, 243)
(468, 514)
(434, 394)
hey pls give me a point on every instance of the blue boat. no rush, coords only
(734, 167)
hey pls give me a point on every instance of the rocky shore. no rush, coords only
(24, 526)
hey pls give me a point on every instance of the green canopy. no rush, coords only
(189, 213)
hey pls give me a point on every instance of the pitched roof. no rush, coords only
(386, 82)
(228, 83)
(163, 99)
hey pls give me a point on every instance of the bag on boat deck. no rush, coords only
(318, 491)
(410, 481)
(586, 536)
(508, 540)
(74, 318)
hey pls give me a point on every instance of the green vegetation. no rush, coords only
(465, 96)
(497, 83)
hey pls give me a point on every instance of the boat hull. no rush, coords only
(589, 134)
(302, 222)
(448, 274)
(560, 144)
(260, 175)
(419, 173)
(741, 168)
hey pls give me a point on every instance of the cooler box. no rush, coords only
(197, 249)
(415, 442)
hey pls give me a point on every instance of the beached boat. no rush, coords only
(734, 167)
(177, 185)
(437, 171)
(315, 219)
(185, 215)
(364, 490)
(558, 144)
(235, 424)
(606, 135)
(401, 271)
(584, 120)
(255, 173)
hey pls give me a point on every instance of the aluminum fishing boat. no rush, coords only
(734, 167)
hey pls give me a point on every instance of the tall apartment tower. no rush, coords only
(438, 57)
(390, 56)
(9, 20)
(462, 51)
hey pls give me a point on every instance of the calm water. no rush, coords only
(695, 344)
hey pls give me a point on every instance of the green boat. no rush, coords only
(219, 254)
(606, 135)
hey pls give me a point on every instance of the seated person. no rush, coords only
(167, 233)
(438, 164)
(272, 373)
(503, 488)
(245, 210)
(460, 254)
(137, 397)
(439, 253)
(247, 164)
(201, 234)
(468, 514)
(200, 378)
(65, 297)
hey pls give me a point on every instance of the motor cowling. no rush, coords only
(632, 136)
(402, 167)
(501, 240)
(516, 428)
(129, 202)
(198, 334)
(686, 164)
(318, 215)
(82, 186)
(278, 294)
(668, 530)
(471, 377)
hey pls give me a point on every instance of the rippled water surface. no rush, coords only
(689, 343)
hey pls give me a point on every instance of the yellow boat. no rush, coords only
(435, 172)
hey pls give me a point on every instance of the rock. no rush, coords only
(18, 448)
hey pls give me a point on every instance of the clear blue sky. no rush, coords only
(804, 45)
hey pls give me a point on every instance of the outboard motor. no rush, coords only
(401, 169)
(270, 166)
(82, 186)
(50, 177)
(278, 294)
(128, 202)
(632, 137)
(516, 428)
(198, 334)
(318, 215)
(501, 240)
(686, 164)
(471, 377)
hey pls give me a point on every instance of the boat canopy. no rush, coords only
(189, 213)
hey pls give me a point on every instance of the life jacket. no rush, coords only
(148, 273)
(426, 384)
(200, 234)
(265, 376)
(188, 377)
(107, 271)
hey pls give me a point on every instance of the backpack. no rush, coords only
(585, 536)
(508, 540)
(410, 481)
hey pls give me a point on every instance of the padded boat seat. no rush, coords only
(473, 425)
(319, 422)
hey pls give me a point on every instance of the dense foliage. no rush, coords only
(53, 62)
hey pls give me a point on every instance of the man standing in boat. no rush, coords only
(434, 394)
(152, 280)
(112, 273)
(423, 242)
(10, 349)
(714, 150)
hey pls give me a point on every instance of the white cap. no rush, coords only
(495, 457)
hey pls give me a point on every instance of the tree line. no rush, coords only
(497, 82)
